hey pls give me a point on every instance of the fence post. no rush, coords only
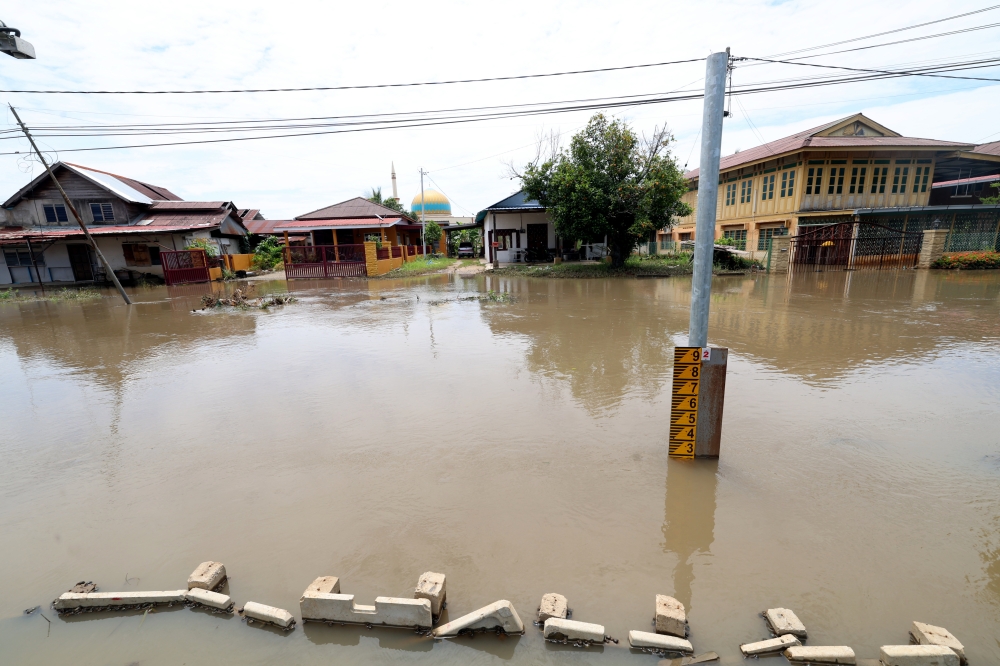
(769, 246)
(932, 247)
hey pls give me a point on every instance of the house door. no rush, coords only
(538, 242)
(79, 260)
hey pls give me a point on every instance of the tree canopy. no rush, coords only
(375, 196)
(609, 182)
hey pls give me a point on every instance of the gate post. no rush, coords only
(780, 247)
(932, 247)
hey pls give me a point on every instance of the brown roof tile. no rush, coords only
(352, 208)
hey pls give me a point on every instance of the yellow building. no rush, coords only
(829, 174)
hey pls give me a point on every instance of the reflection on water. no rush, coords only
(689, 518)
(376, 430)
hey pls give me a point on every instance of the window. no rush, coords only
(858, 180)
(764, 235)
(787, 183)
(879, 176)
(746, 191)
(920, 179)
(55, 213)
(812, 186)
(504, 238)
(22, 257)
(136, 254)
(899, 180)
(731, 194)
(739, 237)
(685, 237)
(102, 212)
(767, 189)
(836, 185)
(154, 255)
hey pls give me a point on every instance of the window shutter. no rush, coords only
(129, 257)
(108, 212)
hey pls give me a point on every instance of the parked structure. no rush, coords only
(850, 170)
(132, 222)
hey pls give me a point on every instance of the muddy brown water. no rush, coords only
(374, 431)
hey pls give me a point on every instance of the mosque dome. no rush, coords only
(435, 203)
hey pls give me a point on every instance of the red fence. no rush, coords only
(184, 266)
(322, 261)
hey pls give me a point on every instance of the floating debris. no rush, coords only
(246, 298)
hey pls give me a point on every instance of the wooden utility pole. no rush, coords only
(72, 208)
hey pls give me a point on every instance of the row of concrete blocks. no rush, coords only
(934, 646)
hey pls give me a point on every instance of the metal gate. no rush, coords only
(323, 261)
(851, 246)
(184, 266)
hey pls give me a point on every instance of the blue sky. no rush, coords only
(198, 45)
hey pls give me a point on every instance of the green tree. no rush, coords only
(609, 182)
(994, 199)
(268, 253)
(432, 233)
(375, 196)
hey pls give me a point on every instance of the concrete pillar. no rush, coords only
(932, 247)
(779, 254)
(371, 258)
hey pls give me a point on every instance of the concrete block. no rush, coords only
(659, 642)
(431, 586)
(918, 655)
(784, 621)
(387, 611)
(821, 654)
(558, 629)
(325, 585)
(928, 634)
(209, 598)
(70, 600)
(83, 588)
(670, 616)
(553, 605)
(499, 614)
(768, 647)
(207, 576)
(262, 613)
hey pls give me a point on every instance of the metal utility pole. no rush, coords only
(423, 223)
(69, 204)
(708, 195)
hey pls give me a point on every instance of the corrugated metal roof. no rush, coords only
(190, 205)
(988, 148)
(808, 139)
(10, 236)
(152, 191)
(966, 181)
(352, 208)
(343, 223)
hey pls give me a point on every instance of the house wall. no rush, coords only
(745, 200)
(516, 221)
(29, 211)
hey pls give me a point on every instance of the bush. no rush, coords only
(203, 244)
(268, 253)
(969, 261)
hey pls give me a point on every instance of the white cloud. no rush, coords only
(117, 45)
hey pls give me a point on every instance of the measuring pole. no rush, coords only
(72, 208)
(708, 196)
(423, 223)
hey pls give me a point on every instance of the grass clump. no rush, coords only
(420, 266)
(59, 296)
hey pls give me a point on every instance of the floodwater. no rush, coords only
(374, 431)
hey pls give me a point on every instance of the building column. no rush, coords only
(932, 247)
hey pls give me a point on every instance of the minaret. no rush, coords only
(394, 194)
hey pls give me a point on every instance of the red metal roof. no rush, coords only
(967, 181)
(189, 205)
(281, 226)
(13, 235)
(151, 191)
(807, 139)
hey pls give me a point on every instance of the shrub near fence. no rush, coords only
(969, 261)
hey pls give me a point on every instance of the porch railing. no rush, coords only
(322, 261)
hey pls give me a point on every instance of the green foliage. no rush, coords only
(268, 253)
(422, 265)
(375, 196)
(969, 261)
(993, 199)
(432, 233)
(474, 236)
(208, 246)
(61, 295)
(610, 183)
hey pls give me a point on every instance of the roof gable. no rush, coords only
(126, 189)
(517, 200)
(856, 125)
(352, 208)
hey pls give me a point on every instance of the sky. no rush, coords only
(247, 44)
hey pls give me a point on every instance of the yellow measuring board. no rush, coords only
(684, 403)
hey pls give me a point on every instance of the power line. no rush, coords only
(887, 32)
(986, 63)
(357, 87)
